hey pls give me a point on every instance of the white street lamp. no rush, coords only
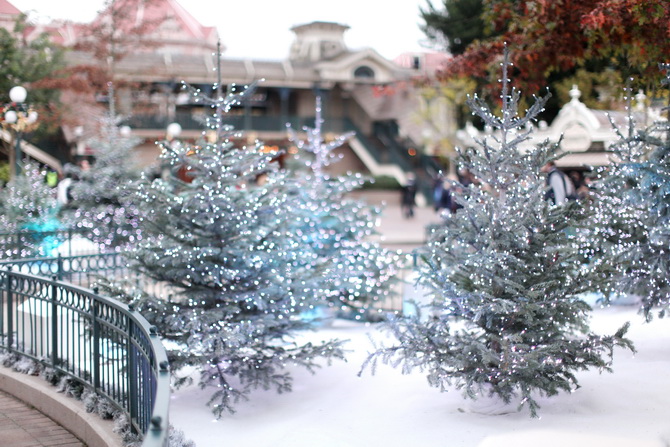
(18, 116)
(18, 94)
(125, 131)
(173, 131)
(11, 116)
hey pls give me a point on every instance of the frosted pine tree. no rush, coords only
(100, 205)
(505, 319)
(632, 226)
(28, 204)
(356, 272)
(237, 279)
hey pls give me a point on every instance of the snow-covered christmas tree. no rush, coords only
(100, 205)
(28, 204)
(237, 278)
(630, 239)
(504, 274)
(356, 272)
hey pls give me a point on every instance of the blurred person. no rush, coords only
(561, 189)
(408, 197)
(438, 191)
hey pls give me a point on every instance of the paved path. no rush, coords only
(396, 231)
(23, 426)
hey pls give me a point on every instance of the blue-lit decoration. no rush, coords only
(357, 275)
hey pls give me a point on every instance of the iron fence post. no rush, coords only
(54, 322)
(3, 302)
(132, 367)
(96, 342)
(10, 314)
(59, 267)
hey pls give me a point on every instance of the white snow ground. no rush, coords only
(335, 408)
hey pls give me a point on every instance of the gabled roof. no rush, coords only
(8, 15)
(62, 33)
(156, 11)
(585, 134)
(7, 8)
(597, 122)
(350, 58)
(187, 32)
(341, 67)
(189, 23)
(337, 27)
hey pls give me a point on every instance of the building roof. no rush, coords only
(199, 68)
(176, 29)
(7, 8)
(185, 49)
(325, 59)
(424, 63)
(172, 21)
(8, 15)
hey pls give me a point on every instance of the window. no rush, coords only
(364, 72)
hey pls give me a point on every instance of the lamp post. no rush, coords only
(19, 117)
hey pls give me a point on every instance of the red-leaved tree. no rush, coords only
(553, 36)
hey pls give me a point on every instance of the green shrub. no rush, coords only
(4, 173)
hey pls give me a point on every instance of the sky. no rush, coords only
(260, 29)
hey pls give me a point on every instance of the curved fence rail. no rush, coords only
(99, 341)
(29, 243)
(49, 313)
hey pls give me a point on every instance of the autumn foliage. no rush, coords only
(122, 27)
(550, 36)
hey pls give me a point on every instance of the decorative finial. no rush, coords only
(575, 93)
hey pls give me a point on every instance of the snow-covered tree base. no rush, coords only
(337, 408)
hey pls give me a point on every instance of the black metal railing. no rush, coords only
(422, 165)
(242, 122)
(99, 341)
(31, 244)
(82, 270)
(87, 270)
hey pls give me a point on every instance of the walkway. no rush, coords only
(395, 231)
(23, 426)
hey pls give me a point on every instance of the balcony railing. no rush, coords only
(99, 341)
(422, 165)
(265, 123)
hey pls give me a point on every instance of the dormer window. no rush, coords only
(364, 72)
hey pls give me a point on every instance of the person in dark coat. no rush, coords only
(408, 197)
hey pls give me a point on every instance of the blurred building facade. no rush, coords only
(361, 91)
